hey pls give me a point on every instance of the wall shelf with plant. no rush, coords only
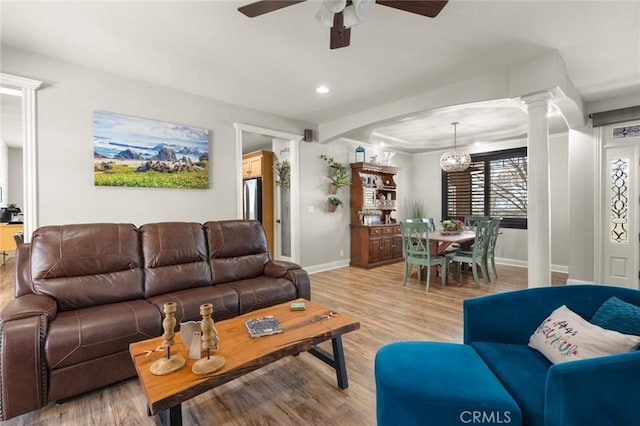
(338, 178)
(333, 202)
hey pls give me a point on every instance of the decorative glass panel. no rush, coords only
(626, 132)
(619, 200)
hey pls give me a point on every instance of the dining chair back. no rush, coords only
(431, 222)
(477, 254)
(494, 231)
(417, 251)
(472, 221)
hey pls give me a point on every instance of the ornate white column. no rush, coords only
(538, 191)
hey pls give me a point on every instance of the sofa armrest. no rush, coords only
(23, 369)
(293, 272)
(30, 305)
(23, 280)
(279, 268)
(601, 390)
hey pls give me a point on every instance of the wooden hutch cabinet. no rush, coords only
(375, 237)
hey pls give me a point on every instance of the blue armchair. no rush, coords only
(602, 391)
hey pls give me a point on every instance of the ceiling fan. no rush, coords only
(341, 15)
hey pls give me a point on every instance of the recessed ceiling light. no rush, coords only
(322, 89)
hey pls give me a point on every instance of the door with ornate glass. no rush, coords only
(620, 238)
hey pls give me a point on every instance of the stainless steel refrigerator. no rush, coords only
(252, 199)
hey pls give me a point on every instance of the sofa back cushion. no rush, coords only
(87, 264)
(237, 249)
(175, 257)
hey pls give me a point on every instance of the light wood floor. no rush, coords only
(302, 390)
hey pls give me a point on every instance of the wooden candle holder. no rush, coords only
(170, 363)
(210, 341)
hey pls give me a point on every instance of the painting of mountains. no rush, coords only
(139, 152)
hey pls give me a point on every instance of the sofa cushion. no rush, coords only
(85, 334)
(175, 257)
(237, 249)
(523, 372)
(223, 298)
(257, 293)
(618, 315)
(87, 265)
(566, 336)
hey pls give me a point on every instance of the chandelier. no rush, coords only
(455, 161)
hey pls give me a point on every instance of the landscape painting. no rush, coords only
(139, 152)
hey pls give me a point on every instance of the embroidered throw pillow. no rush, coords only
(566, 336)
(618, 315)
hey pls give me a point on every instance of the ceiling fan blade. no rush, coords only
(265, 6)
(340, 36)
(430, 8)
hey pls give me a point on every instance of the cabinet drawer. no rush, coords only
(375, 231)
(391, 230)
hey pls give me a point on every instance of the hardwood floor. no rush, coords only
(302, 390)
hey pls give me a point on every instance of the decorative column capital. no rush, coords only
(537, 99)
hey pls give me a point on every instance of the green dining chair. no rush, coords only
(431, 222)
(472, 221)
(494, 231)
(475, 257)
(416, 249)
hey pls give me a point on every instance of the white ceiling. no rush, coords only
(274, 62)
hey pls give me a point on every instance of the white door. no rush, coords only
(282, 204)
(620, 238)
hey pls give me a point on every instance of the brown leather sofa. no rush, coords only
(84, 292)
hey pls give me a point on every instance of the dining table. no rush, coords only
(441, 240)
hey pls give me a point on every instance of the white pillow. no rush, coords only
(566, 336)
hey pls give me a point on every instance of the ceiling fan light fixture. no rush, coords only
(357, 10)
(455, 161)
(324, 16)
(327, 9)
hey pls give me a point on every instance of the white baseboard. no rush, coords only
(499, 261)
(572, 281)
(564, 269)
(327, 266)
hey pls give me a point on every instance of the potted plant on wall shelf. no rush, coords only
(339, 177)
(333, 203)
(339, 180)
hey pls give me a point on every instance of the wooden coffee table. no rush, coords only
(302, 331)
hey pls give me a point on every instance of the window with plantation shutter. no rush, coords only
(495, 185)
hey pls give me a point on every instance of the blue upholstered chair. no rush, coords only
(416, 381)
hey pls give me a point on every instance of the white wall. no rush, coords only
(66, 102)
(15, 191)
(582, 196)
(4, 172)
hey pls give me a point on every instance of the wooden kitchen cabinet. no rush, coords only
(252, 164)
(375, 245)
